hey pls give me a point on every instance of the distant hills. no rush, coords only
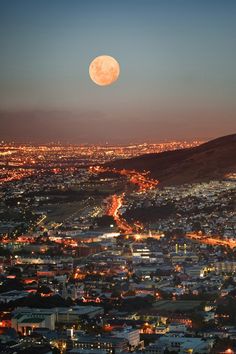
(209, 161)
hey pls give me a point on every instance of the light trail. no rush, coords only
(113, 210)
(144, 184)
(212, 241)
(141, 179)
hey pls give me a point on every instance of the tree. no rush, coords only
(4, 252)
(11, 284)
(229, 281)
(15, 271)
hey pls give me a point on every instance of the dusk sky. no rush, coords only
(177, 61)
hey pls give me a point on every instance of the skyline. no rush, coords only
(177, 81)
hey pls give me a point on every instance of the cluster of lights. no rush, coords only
(144, 183)
(211, 240)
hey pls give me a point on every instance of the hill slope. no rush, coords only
(211, 160)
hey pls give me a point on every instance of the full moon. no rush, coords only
(104, 70)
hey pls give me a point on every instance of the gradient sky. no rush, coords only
(177, 59)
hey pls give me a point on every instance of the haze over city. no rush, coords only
(177, 78)
(117, 177)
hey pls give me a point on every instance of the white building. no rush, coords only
(181, 345)
(131, 334)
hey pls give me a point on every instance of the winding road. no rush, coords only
(141, 180)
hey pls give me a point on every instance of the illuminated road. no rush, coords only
(144, 184)
(113, 210)
(212, 241)
(140, 179)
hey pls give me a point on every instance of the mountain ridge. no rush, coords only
(209, 161)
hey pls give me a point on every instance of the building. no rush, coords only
(26, 321)
(225, 267)
(180, 345)
(86, 351)
(73, 314)
(12, 295)
(177, 327)
(112, 345)
(132, 335)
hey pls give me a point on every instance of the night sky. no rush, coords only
(177, 60)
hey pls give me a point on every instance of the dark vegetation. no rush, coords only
(208, 161)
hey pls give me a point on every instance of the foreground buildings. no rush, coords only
(106, 262)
